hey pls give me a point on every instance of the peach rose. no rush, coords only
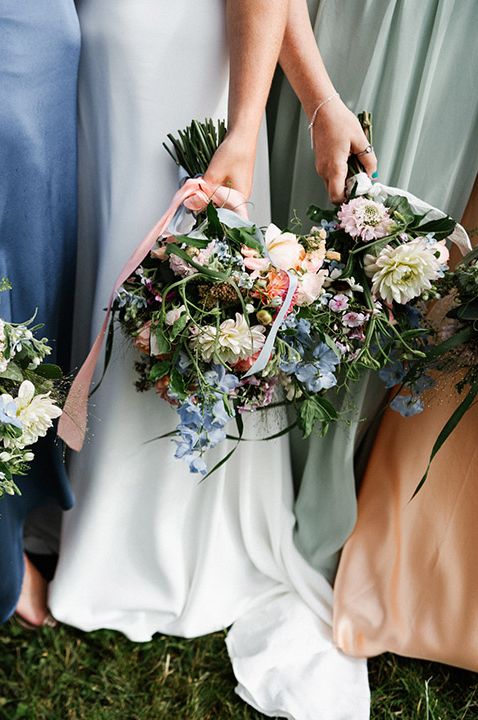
(285, 250)
(310, 287)
(143, 338)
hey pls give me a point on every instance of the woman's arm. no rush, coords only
(255, 31)
(337, 132)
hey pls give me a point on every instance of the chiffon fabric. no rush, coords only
(148, 548)
(414, 66)
(39, 52)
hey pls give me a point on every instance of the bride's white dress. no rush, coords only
(148, 548)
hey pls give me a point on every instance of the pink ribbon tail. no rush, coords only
(73, 421)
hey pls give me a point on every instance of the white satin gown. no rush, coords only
(148, 548)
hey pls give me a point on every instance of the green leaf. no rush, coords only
(240, 430)
(13, 372)
(49, 371)
(400, 209)
(313, 410)
(245, 236)
(441, 228)
(159, 370)
(192, 242)
(179, 325)
(214, 224)
(468, 311)
(108, 351)
(447, 430)
(176, 384)
(317, 214)
(164, 346)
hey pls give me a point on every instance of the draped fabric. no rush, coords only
(39, 51)
(414, 66)
(148, 548)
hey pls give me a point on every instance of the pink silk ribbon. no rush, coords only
(195, 194)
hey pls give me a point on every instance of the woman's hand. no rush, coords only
(338, 134)
(232, 164)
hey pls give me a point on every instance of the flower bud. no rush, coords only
(264, 317)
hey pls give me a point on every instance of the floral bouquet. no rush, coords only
(28, 397)
(230, 318)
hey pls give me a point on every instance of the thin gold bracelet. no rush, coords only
(316, 112)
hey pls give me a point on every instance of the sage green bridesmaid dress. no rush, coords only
(414, 66)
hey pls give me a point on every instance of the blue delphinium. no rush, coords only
(392, 374)
(407, 405)
(318, 373)
(202, 425)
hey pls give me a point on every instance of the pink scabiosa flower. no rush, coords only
(365, 219)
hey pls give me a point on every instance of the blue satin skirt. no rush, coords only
(39, 53)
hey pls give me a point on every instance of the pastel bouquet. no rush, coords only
(29, 398)
(231, 318)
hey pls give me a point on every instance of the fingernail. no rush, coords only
(375, 174)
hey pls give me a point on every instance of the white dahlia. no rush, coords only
(234, 340)
(404, 272)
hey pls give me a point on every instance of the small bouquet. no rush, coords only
(29, 400)
(231, 318)
(450, 348)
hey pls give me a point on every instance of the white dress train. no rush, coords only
(148, 548)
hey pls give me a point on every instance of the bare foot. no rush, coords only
(32, 605)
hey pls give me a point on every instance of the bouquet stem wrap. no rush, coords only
(195, 194)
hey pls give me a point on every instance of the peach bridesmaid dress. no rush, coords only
(408, 580)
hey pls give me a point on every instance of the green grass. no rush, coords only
(64, 674)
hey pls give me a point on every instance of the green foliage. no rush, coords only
(195, 146)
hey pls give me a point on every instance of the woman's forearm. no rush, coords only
(301, 61)
(255, 31)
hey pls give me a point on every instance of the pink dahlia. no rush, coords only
(365, 219)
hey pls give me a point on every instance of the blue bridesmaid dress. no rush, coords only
(39, 53)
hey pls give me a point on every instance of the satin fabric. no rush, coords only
(426, 553)
(407, 580)
(39, 52)
(148, 548)
(414, 66)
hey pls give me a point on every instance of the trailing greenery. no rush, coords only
(64, 674)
